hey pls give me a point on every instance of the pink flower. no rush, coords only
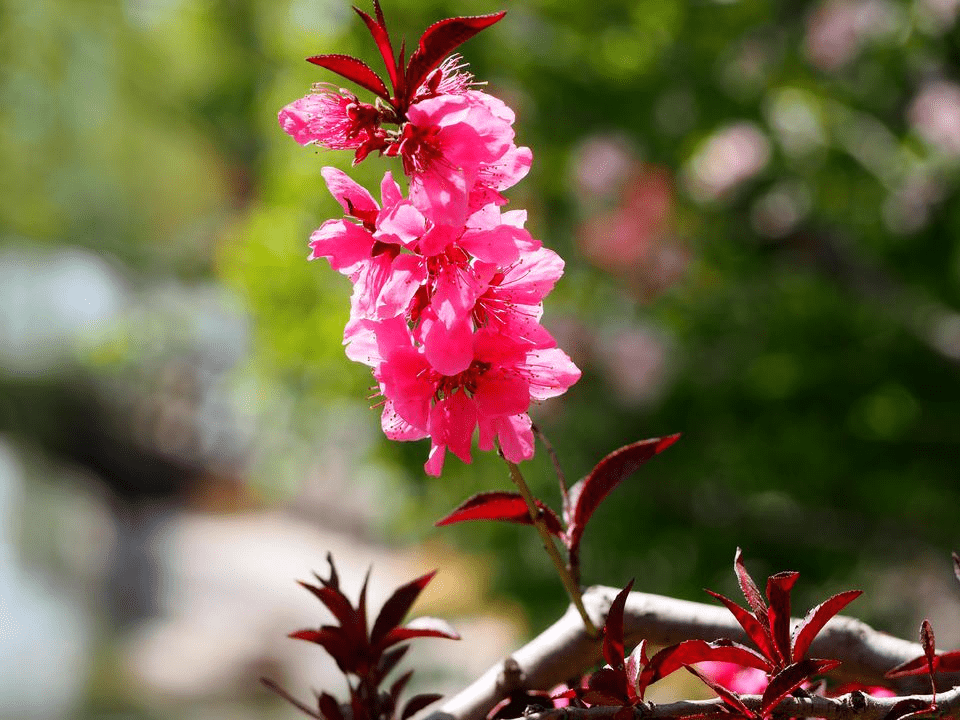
(353, 245)
(334, 120)
(492, 395)
(435, 274)
(446, 143)
(512, 302)
(492, 178)
(447, 288)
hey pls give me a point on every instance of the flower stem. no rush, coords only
(561, 478)
(517, 477)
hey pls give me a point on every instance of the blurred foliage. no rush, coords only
(793, 309)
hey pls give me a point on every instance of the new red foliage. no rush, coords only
(437, 41)
(364, 656)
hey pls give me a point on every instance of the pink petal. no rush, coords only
(396, 428)
(400, 224)
(361, 342)
(438, 238)
(531, 277)
(491, 178)
(456, 291)
(490, 346)
(501, 393)
(405, 380)
(351, 196)
(494, 105)
(521, 323)
(514, 434)
(343, 243)
(371, 342)
(449, 350)
(442, 192)
(500, 245)
(434, 464)
(452, 421)
(526, 328)
(407, 275)
(368, 282)
(517, 218)
(393, 335)
(550, 373)
(390, 193)
(516, 437)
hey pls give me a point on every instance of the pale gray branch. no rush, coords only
(564, 651)
(853, 706)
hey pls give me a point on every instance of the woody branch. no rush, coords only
(565, 650)
(853, 706)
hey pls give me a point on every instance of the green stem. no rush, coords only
(572, 590)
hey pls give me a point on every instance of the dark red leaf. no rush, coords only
(337, 603)
(418, 703)
(756, 631)
(317, 636)
(329, 707)
(606, 687)
(388, 661)
(398, 685)
(948, 662)
(353, 69)
(501, 505)
(271, 685)
(381, 37)
(730, 698)
(750, 590)
(421, 627)
(778, 597)
(397, 606)
(358, 707)
(928, 642)
(917, 666)
(813, 623)
(613, 630)
(956, 566)
(691, 652)
(439, 40)
(336, 642)
(790, 678)
(333, 581)
(362, 605)
(905, 708)
(587, 494)
(634, 665)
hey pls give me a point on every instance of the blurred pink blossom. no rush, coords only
(637, 240)
(602, 164)
(729, 157)
(635, 362)
(838, 29)
(935, 114)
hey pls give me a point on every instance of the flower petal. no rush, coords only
(351, 196)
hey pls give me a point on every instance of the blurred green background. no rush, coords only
(759, 207)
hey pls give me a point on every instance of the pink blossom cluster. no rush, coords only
(448, 287)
